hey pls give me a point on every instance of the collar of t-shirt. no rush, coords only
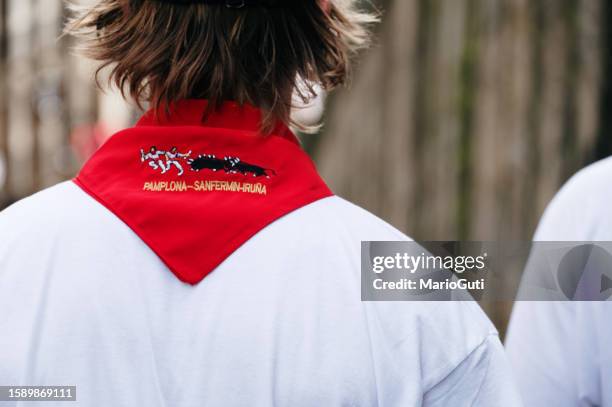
(194, 191)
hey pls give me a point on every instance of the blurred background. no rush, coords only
(461, 122)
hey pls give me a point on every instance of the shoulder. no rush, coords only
(42, 211)
(57, 216)
(48, 209)
(589, 181)
(340, 217)
(580, 205)
(331, 227)
(445, 333)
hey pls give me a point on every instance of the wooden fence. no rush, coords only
(467, 116)
(48, 101)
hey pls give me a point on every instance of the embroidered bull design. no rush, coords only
(231, 165)
(207, 162)
(164, 160)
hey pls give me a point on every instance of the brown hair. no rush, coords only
(162, 52)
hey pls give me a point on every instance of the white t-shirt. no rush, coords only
(562, 351)
(85, 302)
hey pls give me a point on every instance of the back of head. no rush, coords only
(161, 51)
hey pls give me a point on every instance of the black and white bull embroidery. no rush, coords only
(207, 162)
(231, 165)
(163, 161)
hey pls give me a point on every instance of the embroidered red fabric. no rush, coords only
(195, 192)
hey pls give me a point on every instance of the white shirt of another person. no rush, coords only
(562, 351)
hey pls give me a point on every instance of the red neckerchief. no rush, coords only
(195, 192)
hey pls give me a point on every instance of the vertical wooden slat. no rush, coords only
(395, 100)
(589, 81)
(570, 153)
(34, 60)
(604, 132)
(424, 89)
(466, 105)
(5, 188)
(443, 139)
(66, 81)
